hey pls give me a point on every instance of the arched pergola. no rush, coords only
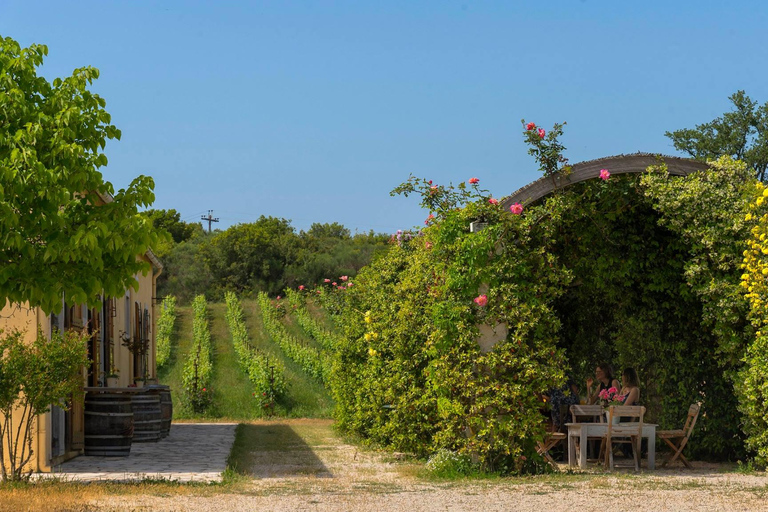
(620, 164)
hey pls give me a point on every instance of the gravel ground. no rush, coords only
(611, 494)
(324, 473)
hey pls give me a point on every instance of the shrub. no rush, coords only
(448, 464)
(32, 377)
(165, 330)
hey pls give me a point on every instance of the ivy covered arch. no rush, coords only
(411, 375)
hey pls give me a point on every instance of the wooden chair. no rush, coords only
(550, 441)
(677, 439)
(553, 438)
(630, 432)
(587, 413)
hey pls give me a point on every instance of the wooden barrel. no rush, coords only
(146, 417)
(166, 407)
(108, 424)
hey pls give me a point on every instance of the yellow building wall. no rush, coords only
(21, 317)
(124, 324)
(26, 319)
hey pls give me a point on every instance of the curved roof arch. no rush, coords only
(620, 164)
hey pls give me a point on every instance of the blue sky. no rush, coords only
(314, 111)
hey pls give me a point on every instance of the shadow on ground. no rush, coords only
(275, 451)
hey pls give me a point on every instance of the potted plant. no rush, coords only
(609, 397)
(113, 377)
(137, 345)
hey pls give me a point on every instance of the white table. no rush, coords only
(584, 431)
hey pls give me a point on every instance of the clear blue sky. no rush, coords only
(314, 111)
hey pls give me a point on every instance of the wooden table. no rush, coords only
(584, 431)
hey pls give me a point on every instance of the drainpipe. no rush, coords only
(153, 301)
(37, 422)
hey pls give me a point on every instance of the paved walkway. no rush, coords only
(191, 452)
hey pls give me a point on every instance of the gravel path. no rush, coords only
(316, 471)
(618, 494)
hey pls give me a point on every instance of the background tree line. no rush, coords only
(266, 255)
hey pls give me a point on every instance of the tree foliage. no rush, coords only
(56, 236)
(267, 255)
(251, 256)
(170, 222)
(741, 134)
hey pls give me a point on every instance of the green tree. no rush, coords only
(329, 251)
(170, 221)
(741, 134)
(185, 273)
(250, 257)
(332, 230)
(57, 235)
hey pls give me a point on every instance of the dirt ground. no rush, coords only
(299, 465)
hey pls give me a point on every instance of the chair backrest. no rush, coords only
(693, 415)
(591, 412)
(634, 412)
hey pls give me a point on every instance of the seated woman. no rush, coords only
(605, 380)
(565, 396)
(630, 387)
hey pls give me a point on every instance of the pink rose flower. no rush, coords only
(542, 133)
(334, 283)
(344, 278)
(278, 297)
(530, 126)
(516, 208)
(474, 181)
(481, 300)
(301, 287)
(326, 280)
(604, 174)
(493, 201)
(349, 284)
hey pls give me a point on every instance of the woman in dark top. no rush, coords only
(605, 380)
(567, 396)
(630, 388)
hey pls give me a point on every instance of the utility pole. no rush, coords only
(210, 219)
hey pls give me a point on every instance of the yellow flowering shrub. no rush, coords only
(754, 281)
